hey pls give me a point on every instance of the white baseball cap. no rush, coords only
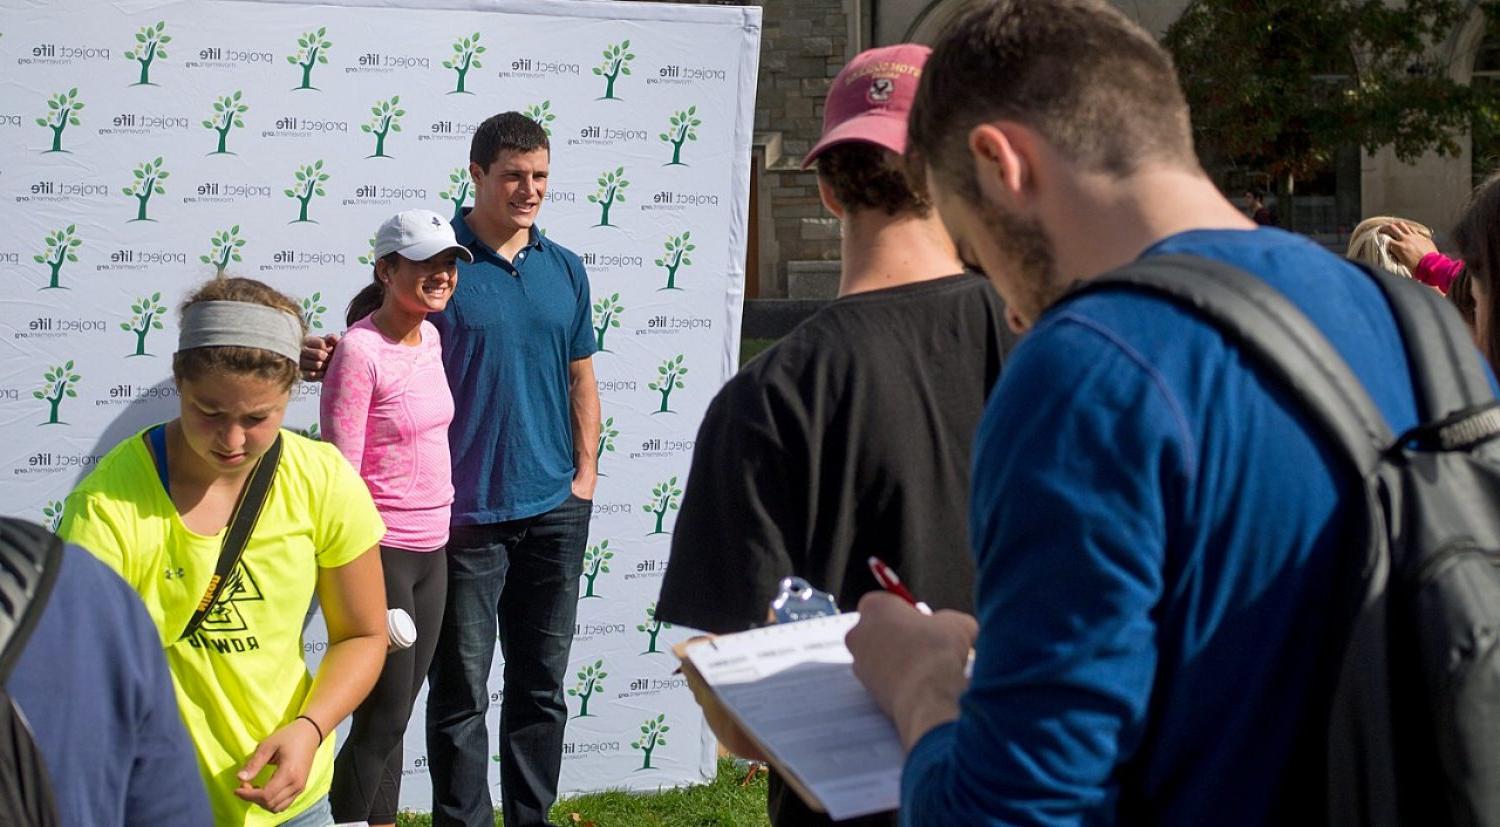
(418, 235)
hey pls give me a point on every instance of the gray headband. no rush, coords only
(240, 324)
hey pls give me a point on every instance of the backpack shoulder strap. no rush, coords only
(1265, 324)
(1446, 368)
(30, 557)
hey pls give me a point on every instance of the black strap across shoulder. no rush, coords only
(241, 525)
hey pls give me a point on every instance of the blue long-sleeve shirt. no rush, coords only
(1157, 531)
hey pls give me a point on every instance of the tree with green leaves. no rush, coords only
(652, 732)
(62, 246)
(616, 63)
(606, 315)
(668, 378)
(611, 191)
(542, 114)
(227, 112)
(466, 54)
(607, 434)
(368, 259)
(675, 257)
(311, 432)
(1278, 87)
(310, 180)
(62, 112)
(227, 245)
(387, 119)
(53, 512)
(57, 384)
(457, 192)
(148, 177)
(664, 498)
(147, 317)
(683, 128)
(312, 311)
(149, 46)
(312, 49)
(595, 562)
(590, 680)
(652, 627)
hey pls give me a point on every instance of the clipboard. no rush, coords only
(791, 688)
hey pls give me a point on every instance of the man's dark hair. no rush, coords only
(506, 132)
(863, 178)
(1096, 86)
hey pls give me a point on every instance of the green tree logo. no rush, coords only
(457, 192)
(652, 627)
(227, 112)
(53, 512)
(57, 384)
(312, 49)
(676, 257)
(387, 120)
(312, 311)
(146, 318)
(149, 45)
(607, 434)
(542, 114)
(227, 244)
(616, 63)
(683, 128)
(62, 246)
(310, 180)
(664, 498)
(606, 315)
(651, 738)
(611, 191)
(595, 562)
(368, 259)
(62, 112)
(311, 432)
(668, 378)
(466, 54)
(590, 680)
(148, 178)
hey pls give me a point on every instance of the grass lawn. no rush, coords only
(724, 803)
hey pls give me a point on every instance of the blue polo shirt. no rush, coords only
(509, 334)
(1157, 529)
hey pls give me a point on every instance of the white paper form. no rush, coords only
(792, 688)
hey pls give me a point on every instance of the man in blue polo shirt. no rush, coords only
(517, 347)
(1158, 528)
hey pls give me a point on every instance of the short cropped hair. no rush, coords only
(207, 362)
(1096, 86)
(506, 132)
(863, 177)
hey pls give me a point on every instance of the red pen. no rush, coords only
(888, 580)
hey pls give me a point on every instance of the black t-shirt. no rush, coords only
(848, 438)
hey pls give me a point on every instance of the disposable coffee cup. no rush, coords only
(402, 631)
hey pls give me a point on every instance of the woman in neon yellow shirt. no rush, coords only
(156, 509)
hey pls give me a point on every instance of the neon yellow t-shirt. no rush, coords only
(241, 676)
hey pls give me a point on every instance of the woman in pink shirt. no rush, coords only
(386, 406)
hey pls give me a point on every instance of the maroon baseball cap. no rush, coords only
(870, 99)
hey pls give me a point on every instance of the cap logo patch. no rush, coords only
(437, 222)
(881, 90)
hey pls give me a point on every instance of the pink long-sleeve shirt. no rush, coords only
(386, 406)
(1438, 270)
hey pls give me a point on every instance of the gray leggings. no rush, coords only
(367, 773)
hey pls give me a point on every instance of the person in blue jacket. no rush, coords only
(1157, 527)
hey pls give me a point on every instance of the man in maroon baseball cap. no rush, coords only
(849, 438)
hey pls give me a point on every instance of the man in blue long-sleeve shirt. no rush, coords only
(1158, 529)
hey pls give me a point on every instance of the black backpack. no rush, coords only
(30, 557)
(1414, 721)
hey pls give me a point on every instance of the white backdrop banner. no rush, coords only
(150, 145)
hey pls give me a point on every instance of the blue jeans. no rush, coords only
(517, 579)
(318, 815)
